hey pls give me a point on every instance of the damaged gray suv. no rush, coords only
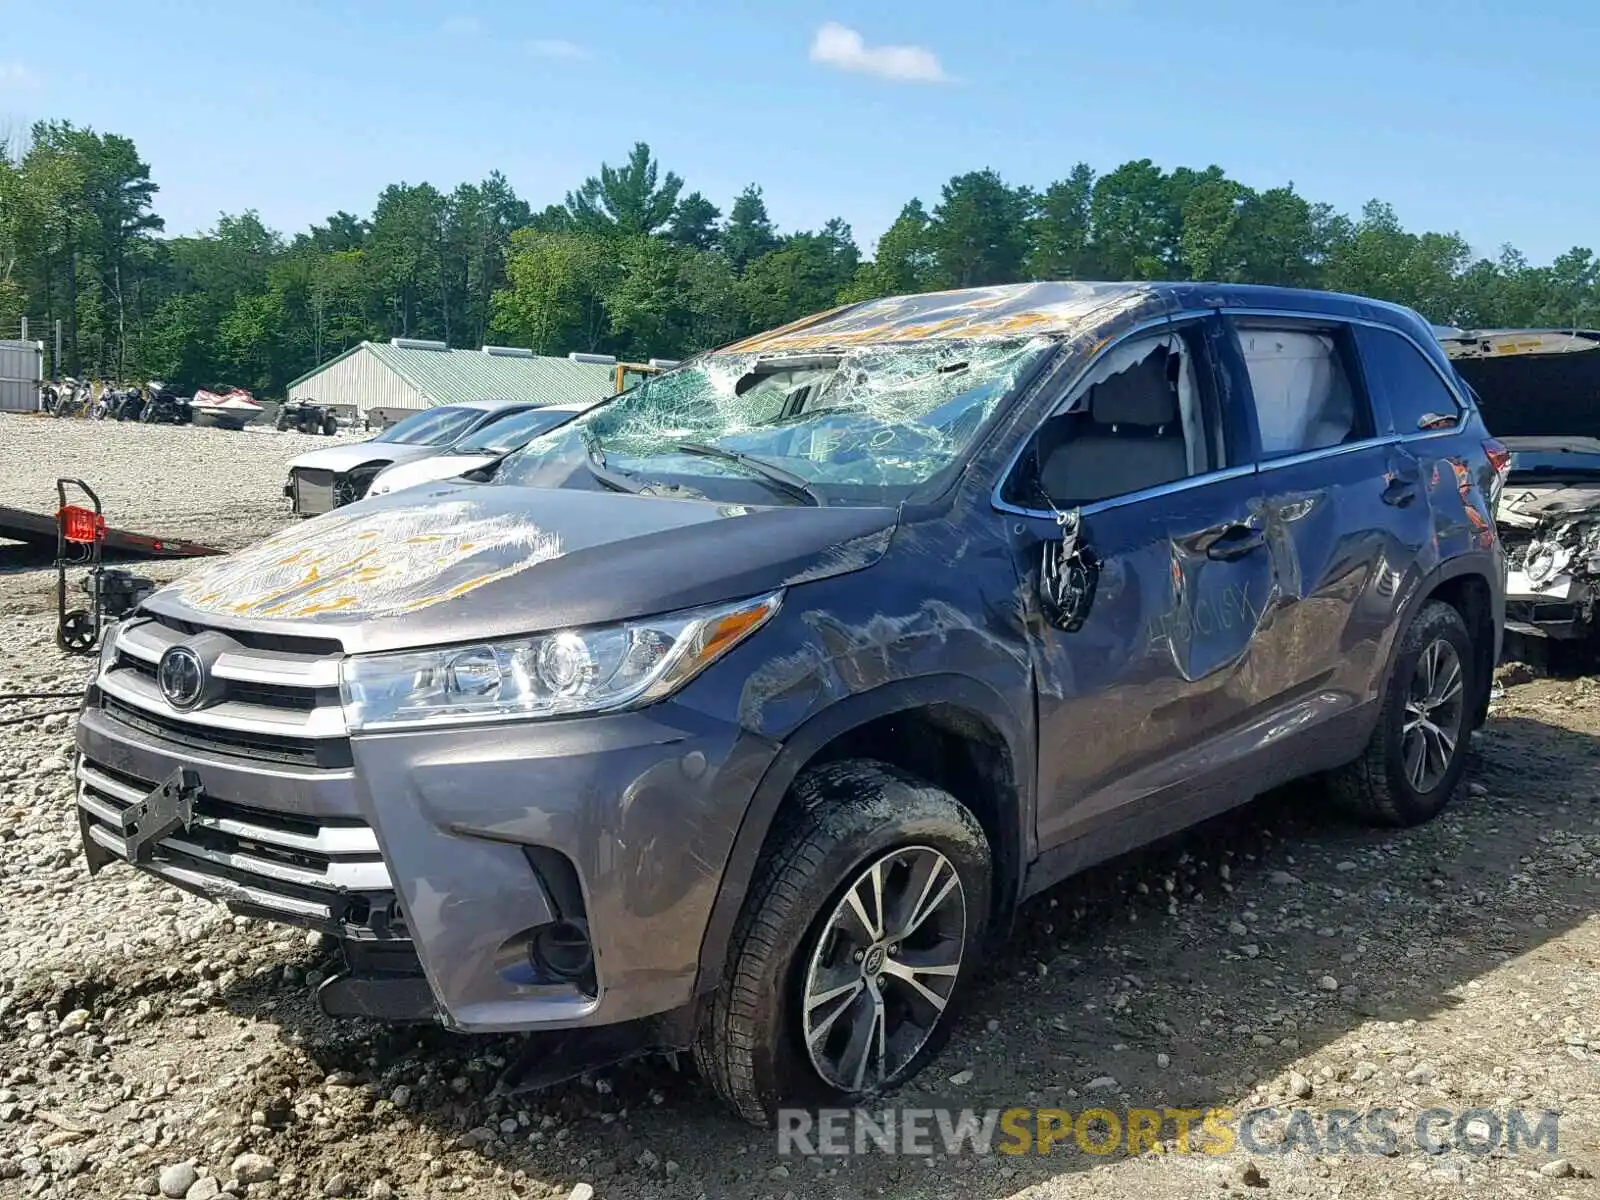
(737, 712)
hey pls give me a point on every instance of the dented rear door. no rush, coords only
(1346, 512)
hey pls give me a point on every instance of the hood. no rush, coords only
(1533, 383)
(427, 470)
(354, 454)
(459, 562)
(1524, 507)
(1552, 445)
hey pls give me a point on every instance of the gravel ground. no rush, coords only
(151, 1044)
(205, 485)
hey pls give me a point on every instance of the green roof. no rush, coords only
(451, 376)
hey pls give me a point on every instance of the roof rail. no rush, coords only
(604, 360)
(509, 351)
(401, 343)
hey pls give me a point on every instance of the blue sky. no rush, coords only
(1471, 115)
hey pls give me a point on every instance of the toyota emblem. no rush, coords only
(182, 677)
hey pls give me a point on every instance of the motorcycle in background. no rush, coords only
(161, 404)
(72, 398)
(125, 404)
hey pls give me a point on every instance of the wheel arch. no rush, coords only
(1467, 584)
(950, 730)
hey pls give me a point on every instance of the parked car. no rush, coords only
(478, 449)
(1549, 518)
(1539, 390)
(322, 480)
(736, 712)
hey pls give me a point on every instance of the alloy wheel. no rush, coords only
(884, 968)
(1435, 706)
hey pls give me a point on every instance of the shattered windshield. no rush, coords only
(812, 426)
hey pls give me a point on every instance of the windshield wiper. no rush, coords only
(784, 481)
(615, 480)
(594, 459)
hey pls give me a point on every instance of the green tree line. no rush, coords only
(632, 264)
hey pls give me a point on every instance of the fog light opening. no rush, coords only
(562, 949)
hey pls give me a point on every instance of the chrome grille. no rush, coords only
(274, 705)
(311, 871)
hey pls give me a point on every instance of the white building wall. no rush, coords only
(359, 381)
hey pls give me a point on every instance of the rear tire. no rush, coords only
(1413, 763)
(856, 829)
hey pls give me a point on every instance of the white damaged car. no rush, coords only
(1539, 393)
(485, 445)
(325, 479)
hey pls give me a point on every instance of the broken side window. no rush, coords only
(1135, 421)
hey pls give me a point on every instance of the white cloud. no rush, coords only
(556, 48)
(16, 77)
(463, 26)
(840, 46)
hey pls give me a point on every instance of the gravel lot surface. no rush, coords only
(206, 485)
(151, 1044)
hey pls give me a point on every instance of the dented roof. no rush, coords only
(1009, 310)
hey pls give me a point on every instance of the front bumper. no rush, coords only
(1560, 607)
(439, 844)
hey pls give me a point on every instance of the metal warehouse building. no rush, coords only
(384, 381)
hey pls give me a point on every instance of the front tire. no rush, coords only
(1412, 765)
(861, 926)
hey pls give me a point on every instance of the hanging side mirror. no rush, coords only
(1068, 572)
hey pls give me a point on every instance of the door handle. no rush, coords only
(1235, 541)
(1399, 491)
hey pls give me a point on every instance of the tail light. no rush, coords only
(1499, 456)
(1500, 461)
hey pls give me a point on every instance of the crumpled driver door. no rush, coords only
(1142, 682)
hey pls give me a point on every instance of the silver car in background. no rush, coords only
(323, 480)
(485, 445)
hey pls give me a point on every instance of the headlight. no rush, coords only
(1544, 561)
(574, 671)
(108, 647)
